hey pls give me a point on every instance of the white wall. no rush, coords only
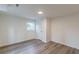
(65, 30)
(48, 29)
(41, 29)
(13, 29)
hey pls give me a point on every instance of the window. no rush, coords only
(30, 26)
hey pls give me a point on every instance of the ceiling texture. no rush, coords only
(30, 10)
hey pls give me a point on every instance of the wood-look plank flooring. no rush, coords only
(38, 47)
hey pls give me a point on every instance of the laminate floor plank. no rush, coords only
(38, 47)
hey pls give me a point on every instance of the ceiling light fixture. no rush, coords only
(40, 12)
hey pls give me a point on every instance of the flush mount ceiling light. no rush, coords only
(40, 12)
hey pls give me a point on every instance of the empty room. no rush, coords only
(39, 29)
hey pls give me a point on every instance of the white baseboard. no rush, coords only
(65, 44)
